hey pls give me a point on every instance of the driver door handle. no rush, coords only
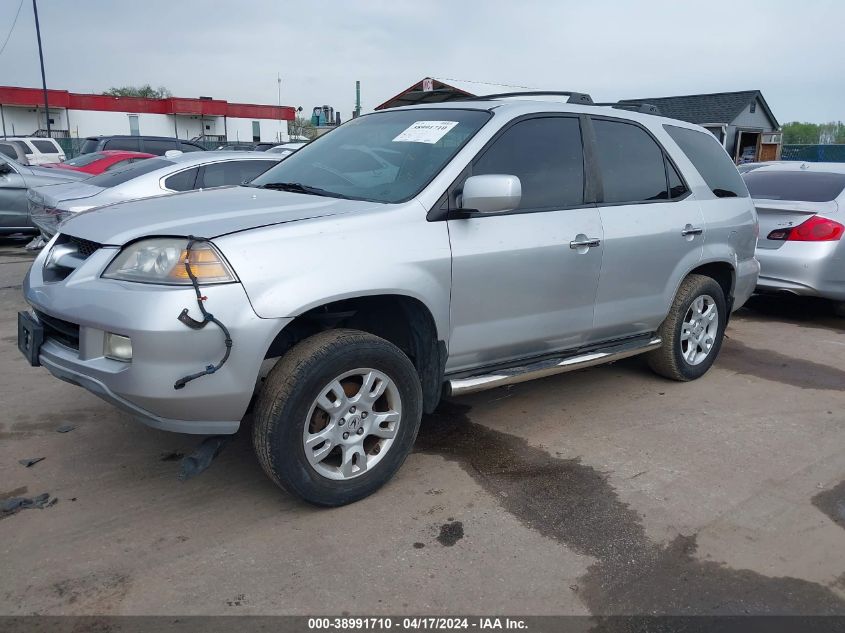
(590, 242)
(692, 230)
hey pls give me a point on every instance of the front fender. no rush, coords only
(289, 269)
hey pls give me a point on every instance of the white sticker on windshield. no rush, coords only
(425, 132)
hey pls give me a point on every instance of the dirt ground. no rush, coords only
(604, 491)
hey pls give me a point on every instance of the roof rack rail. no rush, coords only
(645, 108)
(574, 97)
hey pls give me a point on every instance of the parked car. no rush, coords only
(748, 155)
(244, 147)
(32, 150)
(15, 150)
(493, 242)
(235, 147)
(15, 180)
(152, 177)
(98, 162)
(157, 145)
(286, 148)
(801, 208)
(746, 167)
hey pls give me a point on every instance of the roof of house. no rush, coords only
(718, 107)
(415, 94)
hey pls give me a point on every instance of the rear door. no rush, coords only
(653, 229)
(521, 286)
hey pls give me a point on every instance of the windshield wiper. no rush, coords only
(298, 187)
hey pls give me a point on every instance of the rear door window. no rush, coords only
(677, 188)
(233, 172)
(631, 163)
(804, 186)
(183, 181)
(711, 161)
(129, 144)
(45, 147)
(158, 146)
(546, 155)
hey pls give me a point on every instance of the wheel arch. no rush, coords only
(401, 319)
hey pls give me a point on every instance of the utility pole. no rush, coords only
(279, 81)
(357, 111)
(43, 76)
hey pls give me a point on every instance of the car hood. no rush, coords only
(206, 213)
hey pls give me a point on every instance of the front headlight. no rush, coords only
(162, 261)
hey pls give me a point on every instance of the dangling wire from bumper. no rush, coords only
(208, 317)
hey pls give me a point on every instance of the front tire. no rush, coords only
(692, 332)
(337, 416)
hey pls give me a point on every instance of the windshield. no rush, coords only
(794, 185)
(85, 159)
(120, 176)
(384, 157)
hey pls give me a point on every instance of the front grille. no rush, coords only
(66, 255)
(64, 332)
(85, 248)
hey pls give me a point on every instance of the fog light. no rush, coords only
(117, 347)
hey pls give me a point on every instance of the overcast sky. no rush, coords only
(792, 51)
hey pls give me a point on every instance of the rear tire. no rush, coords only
(839, 308)
(337, 416)
(692, 332)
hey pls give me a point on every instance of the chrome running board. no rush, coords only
(549, 367)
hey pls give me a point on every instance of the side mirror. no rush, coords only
(5, 168)
(491, 193)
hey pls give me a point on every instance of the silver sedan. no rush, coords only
(52, 204)
(15, 180)
(801, 207)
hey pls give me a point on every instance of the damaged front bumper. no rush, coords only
(77, 312)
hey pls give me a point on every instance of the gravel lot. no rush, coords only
(604, 491)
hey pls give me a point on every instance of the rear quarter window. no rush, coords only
(8, 150)
(794, 185)
(45, 147)
(711, 161)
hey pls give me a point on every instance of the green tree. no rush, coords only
(146, 91)
(796, 133)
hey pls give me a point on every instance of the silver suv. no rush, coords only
(408, 254)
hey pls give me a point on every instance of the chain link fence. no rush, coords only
(814, 153)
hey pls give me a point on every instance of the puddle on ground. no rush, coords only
(450, 533)
(832, 503)
(778, 367)
(574, 504)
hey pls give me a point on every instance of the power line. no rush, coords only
(15, 21)
(485, 83)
